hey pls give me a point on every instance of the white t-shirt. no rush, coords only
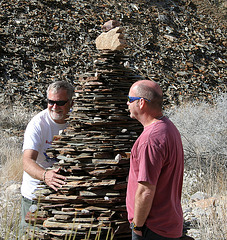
(39, 136)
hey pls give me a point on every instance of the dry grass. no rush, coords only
(213, 222)
(13, 121)
(11, 158)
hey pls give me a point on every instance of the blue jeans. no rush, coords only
(149, 235)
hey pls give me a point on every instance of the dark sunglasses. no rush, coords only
(59, 103)
(132, 99)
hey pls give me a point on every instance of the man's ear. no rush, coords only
(141, 103)
(72, 102)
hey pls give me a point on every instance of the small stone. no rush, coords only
(118, 157)
(33, 208)
(110, 25)
(198, 196)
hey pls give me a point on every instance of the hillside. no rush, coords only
(180, 44)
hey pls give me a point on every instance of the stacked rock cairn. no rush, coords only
(93, 152)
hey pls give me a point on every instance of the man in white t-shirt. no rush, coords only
(37, 138)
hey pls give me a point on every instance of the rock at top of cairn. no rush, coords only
(110, 25)
(112, 37)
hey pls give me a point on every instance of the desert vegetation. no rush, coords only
(12, 124)
(203, 130)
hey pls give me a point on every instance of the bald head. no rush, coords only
(149, 90)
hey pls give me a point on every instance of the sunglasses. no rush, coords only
(58, 103)
(132, 99)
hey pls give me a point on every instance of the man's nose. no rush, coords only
(55, 106)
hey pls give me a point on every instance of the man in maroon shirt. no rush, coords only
(156, 168)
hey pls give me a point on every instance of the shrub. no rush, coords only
(204, 135)
(203, 130)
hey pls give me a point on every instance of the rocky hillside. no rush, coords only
(180, 43)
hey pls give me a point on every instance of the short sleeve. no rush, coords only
(150, 162)
(32, 137)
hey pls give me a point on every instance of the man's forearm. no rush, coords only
(143, 202)
(52, 177)
(33, 169)
(30, 166)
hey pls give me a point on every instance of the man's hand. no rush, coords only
(53, 179)
(137, 232)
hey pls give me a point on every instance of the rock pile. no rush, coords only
(171, 42)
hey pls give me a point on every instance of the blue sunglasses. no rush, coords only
(132, 99)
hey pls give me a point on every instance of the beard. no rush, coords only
(56, 116)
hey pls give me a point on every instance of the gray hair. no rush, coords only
(56, 86)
